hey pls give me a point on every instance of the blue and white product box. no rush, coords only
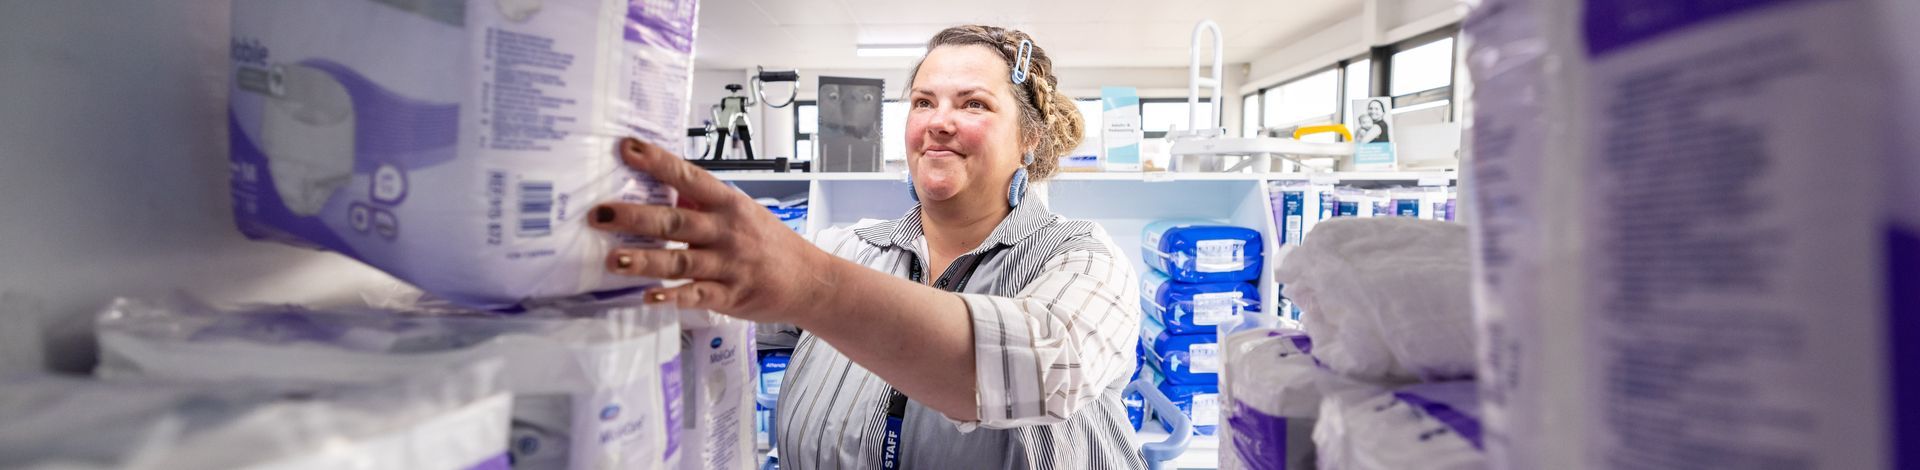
(1787, 304)
(595, 386)
(1122, 134)
(1200, 251)
(455, 144)
(1184, 308)
(1297, 207)
(1183, 359)
(1199, 402)
(773, 369)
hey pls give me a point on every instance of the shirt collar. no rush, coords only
(1025, 220)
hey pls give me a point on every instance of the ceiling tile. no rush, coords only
(806, 12)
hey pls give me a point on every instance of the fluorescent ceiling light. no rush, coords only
(890, 50)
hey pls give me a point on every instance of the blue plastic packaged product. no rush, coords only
(1200, 402)
(1185, 308)
(1201, 251)
(773, 369)
(1183, 359)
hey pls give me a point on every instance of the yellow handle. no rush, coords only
(1335, 128)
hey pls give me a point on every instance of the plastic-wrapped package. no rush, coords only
(1386, 299)
(456, 144)
(1655, 286)
(449, 419)
(717, 383)
(1199, 402)
(596, 386)
(1201, 251)
(1428, 426)
(1186, 359)
(1270, 398)
(1185, 308)
(1297, 207)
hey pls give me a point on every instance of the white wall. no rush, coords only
(113, 176)
(1380, 23)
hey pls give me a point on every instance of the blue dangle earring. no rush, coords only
(910, 192)
(1018, 188)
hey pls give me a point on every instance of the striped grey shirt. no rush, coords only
(1055, 319)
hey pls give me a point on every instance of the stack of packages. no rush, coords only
(1384, 368)
(1201, 276)
(457, 145)
(1299, 205)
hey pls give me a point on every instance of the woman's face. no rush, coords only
(963, 124)
(1376, 111)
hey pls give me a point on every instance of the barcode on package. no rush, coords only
(536, 208)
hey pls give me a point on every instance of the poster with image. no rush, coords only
(1371, 121)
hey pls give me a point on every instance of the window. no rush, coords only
(1359, 80)
(1421, 68)
(1250, 115)
(806, 122)
(1161, 115)
(1309, 100)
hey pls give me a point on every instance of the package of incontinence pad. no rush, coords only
(1194, 308)
(1698, 232)
(449, 419)
(1428, 426)
(1199, 402)
(1201, 251)
(1269, 400)
(456, 144)
(1386, 299)
(1182, 358)
(597, 386)
(717, 380)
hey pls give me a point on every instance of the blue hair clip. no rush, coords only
(1020, 68)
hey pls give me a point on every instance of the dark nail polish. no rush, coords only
(623, 262)
(603, 214)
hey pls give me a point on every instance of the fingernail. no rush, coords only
(633, 145)
(603, 214)
(623, 262)
(657, 297)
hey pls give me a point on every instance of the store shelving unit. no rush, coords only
(1122, 203)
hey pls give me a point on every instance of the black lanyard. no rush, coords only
(890, 443)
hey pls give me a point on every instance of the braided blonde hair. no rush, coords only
(1048, 119)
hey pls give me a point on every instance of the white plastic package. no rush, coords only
(456, 144)
(1429, 426)
(596, 386)
(1699, 232)
(717, 357)
(1270, 398)
(1386, 299)
(453, 419)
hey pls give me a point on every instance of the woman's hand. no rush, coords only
(742, 260)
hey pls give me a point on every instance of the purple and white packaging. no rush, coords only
(595, 386)
(1433, 425)
(1698, 232)
(717, 355)
(451, 419)
(456, 144)
(1270, 398)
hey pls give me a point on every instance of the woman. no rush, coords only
(979, 330)
(1373, 124)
